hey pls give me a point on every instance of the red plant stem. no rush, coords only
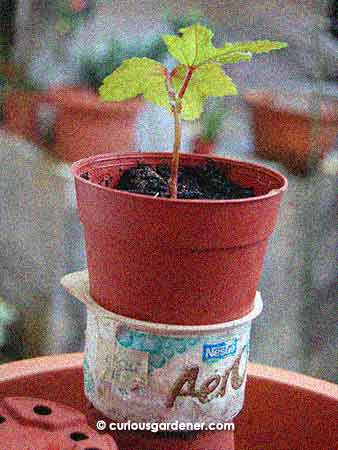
(176, 109)
(186, 81)
(176, 154)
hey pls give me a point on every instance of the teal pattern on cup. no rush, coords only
(160, 348)
(87, 378)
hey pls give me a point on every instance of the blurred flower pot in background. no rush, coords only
(296, 130)
(202, 147)
(85, 126)
(20, 110)
(21, 98)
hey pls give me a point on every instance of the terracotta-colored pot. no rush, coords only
(286, 410)
(287, 133)
(86, 126)
(187, 262)
(37, 424)
(201, 147)
(20, 113)
(283, 410)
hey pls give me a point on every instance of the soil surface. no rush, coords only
(201, 182)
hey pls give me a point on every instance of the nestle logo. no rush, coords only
(220, 350)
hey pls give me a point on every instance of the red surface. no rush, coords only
(37, 424)
(200, 147)
(286, 136)
(85, 125)
(219, 440)
(201, 441)
(176, 261)
(283, 410)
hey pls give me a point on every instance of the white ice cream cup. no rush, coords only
(150, 372)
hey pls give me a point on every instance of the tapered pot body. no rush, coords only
(187, 262)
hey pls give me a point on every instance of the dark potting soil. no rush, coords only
(200, 182)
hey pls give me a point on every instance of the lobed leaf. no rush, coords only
(134, 77)
(194, 47)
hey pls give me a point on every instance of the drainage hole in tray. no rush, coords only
(78, 436)
(42, 410)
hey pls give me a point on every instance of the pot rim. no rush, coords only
(264, 98)
(77, 98)
(108, 157)
(13, 373)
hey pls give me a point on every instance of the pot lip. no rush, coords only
(199, 138)
(298, 380)
(77, 284)
(109, 157)
(16, 371)
(80, 98)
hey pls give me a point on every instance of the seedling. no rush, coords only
(183, 90)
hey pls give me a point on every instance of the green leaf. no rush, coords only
(134, 77)
(207, 80)
(233, 53)
(194, 47)
(254, 46)
(232, 57)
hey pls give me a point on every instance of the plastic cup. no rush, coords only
(152, 372)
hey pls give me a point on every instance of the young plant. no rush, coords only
(183, 90)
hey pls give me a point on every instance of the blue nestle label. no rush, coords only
(220, 350)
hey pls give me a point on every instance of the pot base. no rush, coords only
(283, 410)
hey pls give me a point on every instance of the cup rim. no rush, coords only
(77, 284)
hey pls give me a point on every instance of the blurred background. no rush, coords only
(53, 56)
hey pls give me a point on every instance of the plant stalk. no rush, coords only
(176, 153)
(176, 110)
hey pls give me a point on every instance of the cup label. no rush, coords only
(129, 368)
(142, 376)
(220, 350)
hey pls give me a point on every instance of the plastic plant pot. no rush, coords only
(202, 147)
(286, 132)
(283, 410)
(86, 126)
(185, 262)
(37, 424)
(20, 114)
